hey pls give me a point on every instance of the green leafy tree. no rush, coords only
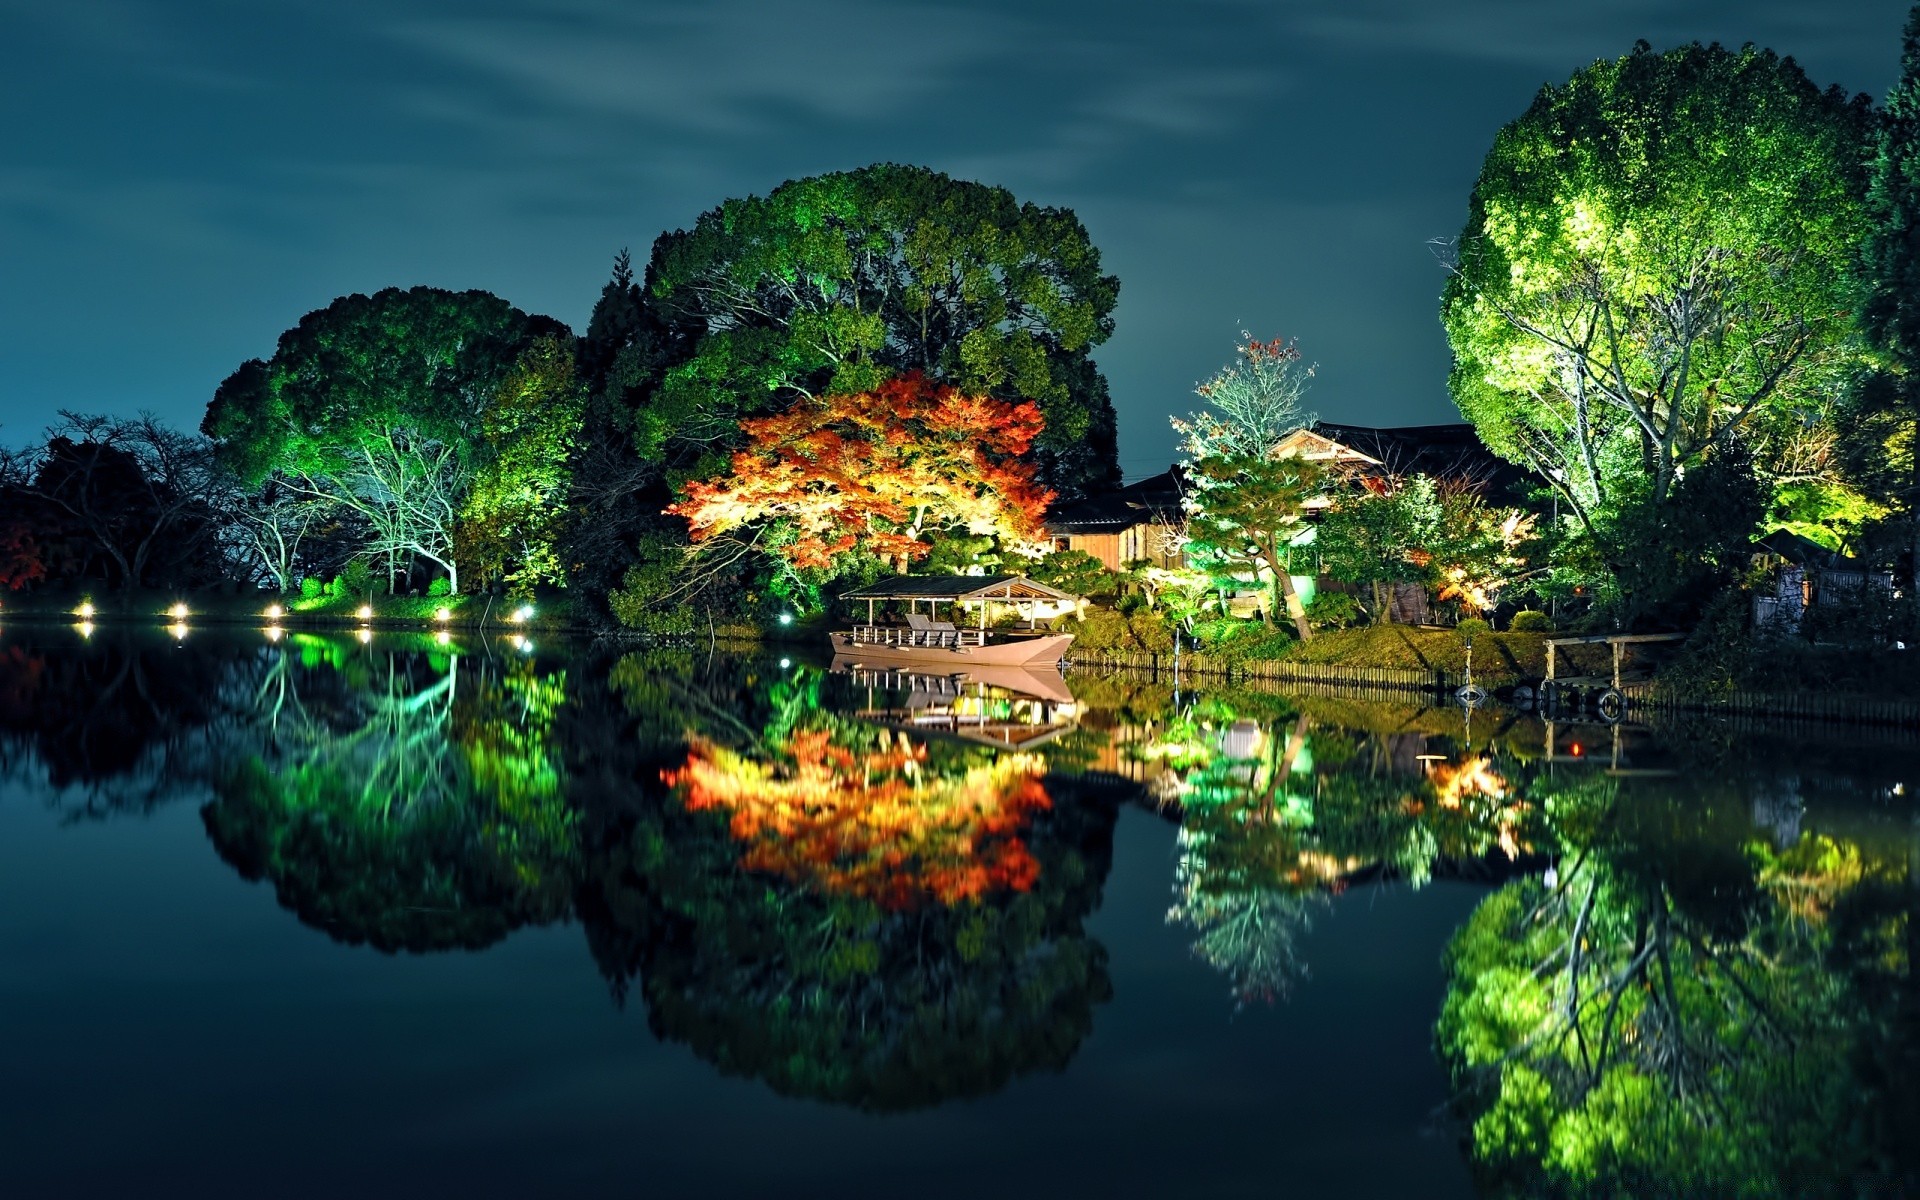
(1655, 267)
(1244, 516)
(1252, 402)
(834, 283)
(1886, 421)
(1377, 539)
(378, 404)
(512, 512)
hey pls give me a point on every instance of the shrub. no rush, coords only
(1333, 610)
(356, 579)
(1530, 621)
(440, 587)
(1150, 632)
(1472, 627)
(311, 587)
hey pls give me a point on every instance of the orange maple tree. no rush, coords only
(878, 470)
(876, 824)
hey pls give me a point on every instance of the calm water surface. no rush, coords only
(316, 917)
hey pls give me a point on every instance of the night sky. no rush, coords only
(180, 180)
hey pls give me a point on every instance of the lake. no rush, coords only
(312, 915)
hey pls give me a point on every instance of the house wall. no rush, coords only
(1116, 550)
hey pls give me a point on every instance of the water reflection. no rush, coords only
(1692, 963)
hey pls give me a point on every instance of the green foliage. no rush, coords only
(1333, 610)
(1654, 272)
(836, 282)
(1530, 621)
(1075, 572)
(439, 587)
(1252, 403)
(509, 524)
(1367, 538)
(356, 580)
(1246, 514)
(312, 587)
(1472, 627)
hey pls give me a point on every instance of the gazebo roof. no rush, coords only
(957, 587)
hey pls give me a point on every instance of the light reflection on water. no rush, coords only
(896, 894)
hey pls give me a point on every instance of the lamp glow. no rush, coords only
(442, 638)
(274, 612)
(443, 614)
(522, 614)
(85, 628)
(274, 633)
(179, 631)
(365, 636)
(364, 612)
(85, 611)
(786, 618)
(178, 612)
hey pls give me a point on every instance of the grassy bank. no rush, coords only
(1499, 659)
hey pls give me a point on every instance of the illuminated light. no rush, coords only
(274, 612)
(365, 636)
(523, 613)
(364, 612)
(275, 633)
(519, 643)
(178, 612)
(179, 631)
(443, 614)
(85, 628)
(85, 611)
(526, 647)
(442, 638)
(785, 663)
(786, 618)
(1576, 750)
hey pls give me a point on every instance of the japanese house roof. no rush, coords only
(957, 587)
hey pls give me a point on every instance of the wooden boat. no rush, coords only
(924, 638)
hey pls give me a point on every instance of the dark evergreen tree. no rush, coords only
(1885, 434)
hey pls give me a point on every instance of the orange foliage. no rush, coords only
(877, 469)
(876, 825)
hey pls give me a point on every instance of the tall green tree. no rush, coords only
(1245, 514)
(1376, 538)
(1655, 266)
(378, 404)
(1887, 420)
(836, 282)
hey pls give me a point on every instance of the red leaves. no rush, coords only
(875, 469)
(877, 824)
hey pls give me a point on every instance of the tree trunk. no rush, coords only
(1284, 594)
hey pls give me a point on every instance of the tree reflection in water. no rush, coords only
(399, 800)
(1709, 992)
(846, 913)
(1686, 999)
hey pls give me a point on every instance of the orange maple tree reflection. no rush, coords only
(879, 823)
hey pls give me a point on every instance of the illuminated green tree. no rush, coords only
(1378, 538)
(1654, 269)
(834, 283)
(1243, 518)
(509, 523)
(379, 405)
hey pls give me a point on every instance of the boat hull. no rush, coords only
(1039, 651)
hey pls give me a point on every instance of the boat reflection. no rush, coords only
(1011, 708)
